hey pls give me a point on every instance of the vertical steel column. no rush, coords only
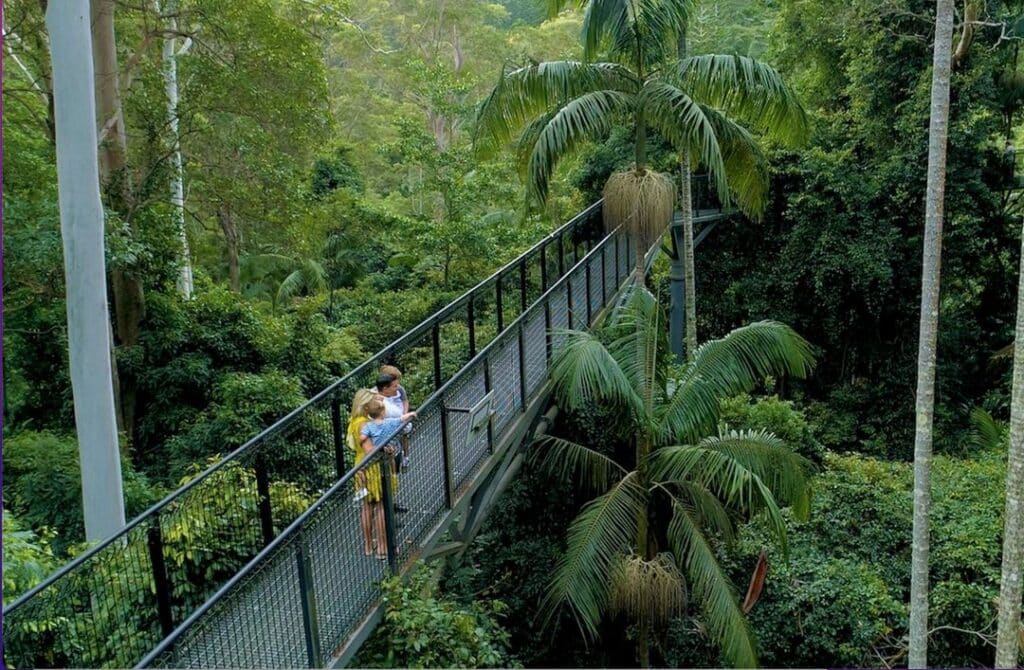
(497, 304)
(446, 457)
(161, 583)
(604, 273)
(543, 267)
(307, 597)
(487, 389)
(522, 363)
(339, 438)
(561, 254)
(547, 332)
(263, 491)
(435, 334)
(471, 323)
(522, 286)
(389, 511)
(586, 271)
(568, 299)
(618, 261)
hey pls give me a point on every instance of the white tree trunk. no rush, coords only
(689, 267)
(185, 284)
(930, 273)
(81, 219)
(1008, 632)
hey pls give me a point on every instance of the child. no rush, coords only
(396, 403)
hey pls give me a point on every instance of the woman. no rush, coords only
(367, 480)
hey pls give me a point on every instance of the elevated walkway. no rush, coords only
(258, 561)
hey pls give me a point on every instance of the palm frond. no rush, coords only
(748, 90)
(567, 459)
(524, 93)
(738, 486)
(309, 278)
(745, 180)
(583, 373)
(707, 510)
(726, 367)
(599, 537)
(684, 123)
(711, 588)
(987, 433)
(587, 117)
(640, 340)
(784, 472)
(620, 24)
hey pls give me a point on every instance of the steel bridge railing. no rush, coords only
(299, 602)
(114, 603)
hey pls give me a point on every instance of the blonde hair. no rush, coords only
(360, 400)
(374, 409)
(391, 370)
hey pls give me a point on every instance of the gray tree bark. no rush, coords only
(926, 354)
(185, 283)
(689, 266)
(81, 217)
(1009, 627)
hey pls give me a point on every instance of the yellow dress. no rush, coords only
(371, 477)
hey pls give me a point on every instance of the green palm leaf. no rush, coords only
(309, 278)
(738, 486)
(566, 459)
(640, 344)
(583, 374)
(599, 537)
(784, 472)
(745, 180)
(712, 589)
(587, 117)
(527, 92)
(747, 90)
(726, 367)
(707, 510)
(684, 123)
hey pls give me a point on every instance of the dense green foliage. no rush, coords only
(424, 630)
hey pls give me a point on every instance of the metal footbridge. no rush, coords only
(258, 562)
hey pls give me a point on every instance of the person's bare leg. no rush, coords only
(382, 538)
(366, 521)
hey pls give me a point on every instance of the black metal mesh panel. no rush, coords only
(420, 488)
(504, 362)
(257, 625)
(468, 452)
(344, 577)
(559, 315)
(596, 300)
(608, 254)
(579, 299)
(536, 348)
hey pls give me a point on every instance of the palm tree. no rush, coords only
(928, 328)
(702, 105)
(1010, 583)
(649, 536)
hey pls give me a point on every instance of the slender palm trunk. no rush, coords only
(689, 267)
(932, 262)
(231, 237)
(185, 283)
(81, 217)
(1008, 631)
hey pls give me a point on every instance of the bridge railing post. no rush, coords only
(586, 273)
(339, 437)
(161, 583)
(568, 299)
(543, 267)
(263, 493)
(435, 341)
(307, 596)
(499, 312)
(471, 325)
(522, 364)
(389, 511)
(488, 387)
(522, 286)
(446, 457)
(561, 254)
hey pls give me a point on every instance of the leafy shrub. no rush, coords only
(44, 485)
(27, 557)
(421, 630)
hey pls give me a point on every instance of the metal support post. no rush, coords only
(389, 512)
(435, 334)
(263, 491)
(471, 323)
(497, 303)
(446, 458)
(161, 583)
(339, 438)
(307, 597)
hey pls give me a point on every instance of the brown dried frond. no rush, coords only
(653, 589)
(642, 202)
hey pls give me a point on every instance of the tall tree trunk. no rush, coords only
(231, 237)
(81, 217)
(185, 283)
(930, 273)
(689, 267)
(1008, 631)
(129, 300)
